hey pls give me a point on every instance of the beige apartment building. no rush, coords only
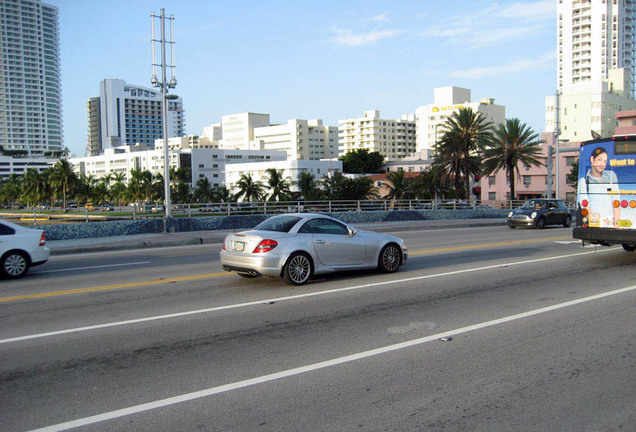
(393, 139)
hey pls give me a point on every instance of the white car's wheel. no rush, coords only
(390, 258)
(297, 269)
(15, 265)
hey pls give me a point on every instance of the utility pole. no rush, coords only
(557, 133)
(165, 85)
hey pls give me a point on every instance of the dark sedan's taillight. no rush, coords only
(43, 238)
(265, 246)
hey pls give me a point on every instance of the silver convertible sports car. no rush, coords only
(299, 245)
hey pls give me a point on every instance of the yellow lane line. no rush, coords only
(111, 287)
(213, 275)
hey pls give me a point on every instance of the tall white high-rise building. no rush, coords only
(596, 68)
(594, 36)
(30, 84)
(129, 115)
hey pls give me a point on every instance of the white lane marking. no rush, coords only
(317, 366)
(93, 267)
(281, 299)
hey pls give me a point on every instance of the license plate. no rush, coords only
(239, 246)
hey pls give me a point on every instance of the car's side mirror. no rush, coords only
(352, 232)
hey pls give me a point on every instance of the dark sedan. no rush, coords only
(540, 212)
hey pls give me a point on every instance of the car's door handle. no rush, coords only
(320, 242)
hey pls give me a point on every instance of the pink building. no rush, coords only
(532, 182)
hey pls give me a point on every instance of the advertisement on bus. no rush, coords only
(606, 191)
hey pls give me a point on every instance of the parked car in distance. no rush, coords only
(158, 208)
(540, 212)
(89, 206)
(209, 208)
(20, 249)
(297, 246)
(106, 208)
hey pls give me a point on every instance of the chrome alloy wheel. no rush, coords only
(15, 265)
(390, 258)
(297, 269)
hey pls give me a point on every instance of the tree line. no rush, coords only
(469, 146)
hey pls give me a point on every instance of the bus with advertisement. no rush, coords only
(606, 192)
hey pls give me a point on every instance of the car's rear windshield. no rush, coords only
(278, 223)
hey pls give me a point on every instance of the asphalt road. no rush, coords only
(484, 329)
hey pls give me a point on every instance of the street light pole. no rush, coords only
(556, 141)
(165, 85)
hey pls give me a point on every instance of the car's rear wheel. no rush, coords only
(15, 265)
(629, 248)
(390, 258)
(541, 223)
(297, 269)
(568, 221)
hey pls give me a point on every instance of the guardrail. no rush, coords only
(145, 211)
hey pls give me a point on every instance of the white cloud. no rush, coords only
(346, 37)
(546, 60)
(380, 18)
(496, 24)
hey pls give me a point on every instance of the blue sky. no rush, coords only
(323, 59)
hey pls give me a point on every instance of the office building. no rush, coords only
(393, 139)
(197, 162)
(130, 115)
(301, 139)
(237, 130)
(447, 100)
(30, 82)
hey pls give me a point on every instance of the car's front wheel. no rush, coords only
(297, 269)
(629, 248)
(390, 258)
(567, 222)
(541, 223)
(14, 265)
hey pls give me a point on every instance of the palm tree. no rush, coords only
(513, 143)
(63, 178)
(279, 186)
(203, 191)
(136, 186)
(398, 185)
(249, 189)
(307, 185)
(35, 187)
(465, 135)
(118, 189)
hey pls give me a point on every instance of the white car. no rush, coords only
(297, 246)
(21, 248)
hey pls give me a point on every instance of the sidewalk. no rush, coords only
(141, 241)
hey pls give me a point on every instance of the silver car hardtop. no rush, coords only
(296, 246)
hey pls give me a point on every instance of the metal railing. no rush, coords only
(44, 215)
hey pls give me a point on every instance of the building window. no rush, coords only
(492, 196)
(492, 180)
(527, 180)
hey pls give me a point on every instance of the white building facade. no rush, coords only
(200, 162)
(129, 115)
(594, 37)
(589, 107)
(447, 100)
(291, 170)
(30, 79)
(237, 130)
(393, 139)
(301, 139)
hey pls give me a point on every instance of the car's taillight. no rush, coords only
(265, 246)
(223, 247)
(43, 238)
